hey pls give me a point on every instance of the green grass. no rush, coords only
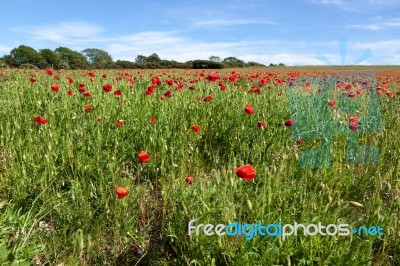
(58, 180)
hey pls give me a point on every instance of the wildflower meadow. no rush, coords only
(108, 167)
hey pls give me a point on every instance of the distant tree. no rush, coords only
(28, 66)
(98, 58)
(281, 64)
(206, 64)
(3, 63)
(233, 62)
(49, 58)
(154, 58)
(126, 64)
(254, 64)
(214, 58)
(24, 55)
(141, 59)
(7, 59)
(72, 59)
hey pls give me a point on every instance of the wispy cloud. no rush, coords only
(183, 46)
(358, 5)
(391, 23)
(384, 2)
(338, 3)
(174, 45)
(212, 23)
(63, 32)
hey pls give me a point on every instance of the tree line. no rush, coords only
(93, 58)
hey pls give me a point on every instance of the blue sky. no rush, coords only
(291, 32)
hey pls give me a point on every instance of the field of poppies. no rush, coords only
(108, 167)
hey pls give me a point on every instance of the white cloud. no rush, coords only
(63, 32)
(339, 3)
(180, 46)
(171, 45)
(358, 5)
(390, 47)
(384, 2)
(286, 58)
(210, 23)
(391, 23)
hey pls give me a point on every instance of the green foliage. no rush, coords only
(141, 59)
(28, 66)
(71, 59)
(65, 58)
(24, 55)
(153, 58)
(214, 58)
(52, 59)
(254, 64)
(99, 59)
(233, 62)
(275, 65)
(126, 64)
(3, 63)
(206, 64)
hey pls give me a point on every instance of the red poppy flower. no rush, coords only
(69, 93)
(299, 141)
(289, 123)
(49, 72)
(353, 120)
(120, 123)
(87, 94)
(155, 81)
(107, 88)
(256, 90)
(196, 128)
(153, 120)
(88, 108)
(332, 103)
(105, 76)
(40, 120)
(213, 76)
(121, 192)
(192, 88)
(150, 90)
(117, 93)
(168, 94)
(261, 125)
(246, 172)
(353, 123)
(143, 157)
(92, 74)
(208, 98)
(55, 88)
(32, 80)
(353, 127)
(249, 109)
(189, 180)
(70, 80)
(352, 94)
